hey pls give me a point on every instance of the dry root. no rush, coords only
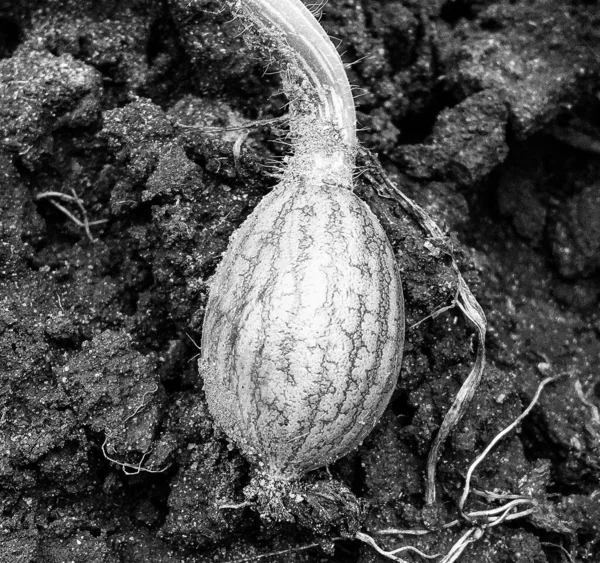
(515, 507)
(84, 222)
(129, 468)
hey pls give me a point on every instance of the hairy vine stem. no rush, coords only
(322, 115)
(309, 56)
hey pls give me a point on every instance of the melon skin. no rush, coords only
(304, 329)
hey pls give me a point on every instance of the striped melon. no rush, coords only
(304, 329)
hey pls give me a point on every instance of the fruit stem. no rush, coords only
(322, 115)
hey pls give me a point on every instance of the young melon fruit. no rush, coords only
(304, 329)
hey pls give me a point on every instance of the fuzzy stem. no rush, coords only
(323, 119)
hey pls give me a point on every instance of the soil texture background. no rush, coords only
(136, 136)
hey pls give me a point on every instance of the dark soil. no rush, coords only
(485, 113)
